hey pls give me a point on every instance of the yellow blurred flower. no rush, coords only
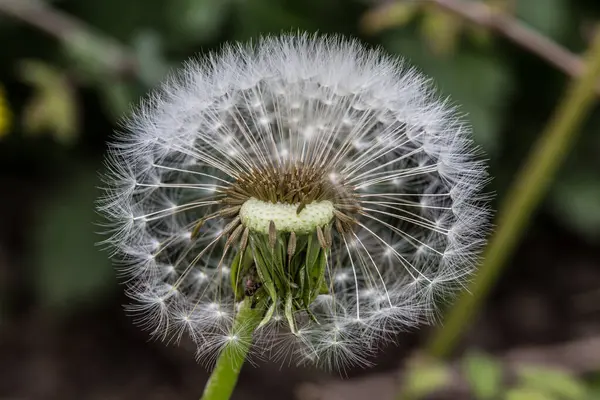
(5, 113)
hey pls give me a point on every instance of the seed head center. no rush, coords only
(292, 184)
(294, 197)
(257, 215)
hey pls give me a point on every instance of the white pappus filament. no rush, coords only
(347, 138)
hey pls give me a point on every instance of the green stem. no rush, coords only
(523, 197)
(224, 377)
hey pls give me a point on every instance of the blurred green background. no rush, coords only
(71, 68)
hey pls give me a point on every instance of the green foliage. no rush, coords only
(574, 198)
(424, 377)
(52, 108)
(441, 31)
(553, 383)
(477, 81)
(5, 114)
(526, 394)
(118, 98)
(549, 17)
(70, 269)
(266, 16)
(486, 379)
(197, 21)
(148, 46)
(594, 387)
(96, 56)
(484, 374)
(394, 15)
(122, 19)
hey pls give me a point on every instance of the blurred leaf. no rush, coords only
(53, 106)
(97, 57)
(153, 66)
(424, 377)
(549, 17)
(120, 19)
(117, 98)
(527, 394)
(552, 382)
(594, 387)
(101, 62)
(577, 200)
(5, 114)
(197, 20)
(575, 194)
(389, 15)
(477, 82)
(70, 268)
(501, 5)
(480, 35)
(484, 374)
(258, 17)
(441, 31)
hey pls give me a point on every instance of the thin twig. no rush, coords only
(66, 28)
(482, 14)
(504, 24)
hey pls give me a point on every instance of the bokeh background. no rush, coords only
(70, 69)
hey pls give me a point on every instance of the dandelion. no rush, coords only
(317, 184)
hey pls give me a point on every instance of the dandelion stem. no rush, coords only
(224, 377)
(522, 199)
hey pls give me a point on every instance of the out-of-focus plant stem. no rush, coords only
(224, 377)
(114, 57)
(523, 197)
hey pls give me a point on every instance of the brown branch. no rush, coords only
(117, 59)
(506, 25)
(482, 14)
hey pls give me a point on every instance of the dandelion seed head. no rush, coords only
(331, 168)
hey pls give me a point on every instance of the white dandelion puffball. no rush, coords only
(317, 180)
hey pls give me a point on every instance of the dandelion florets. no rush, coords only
(317, 179)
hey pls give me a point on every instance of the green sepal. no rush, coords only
(260, 297)
(268, 314)
(324, 289)
(301, 242)
(271, 265)
(306, 286)
(293, 282)
(264, 274)
(317, 275)
(279, 259)
(236, 285)
(238, 270)
(289, 312)
(312, 251)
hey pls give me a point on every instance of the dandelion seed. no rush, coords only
(323, 181)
